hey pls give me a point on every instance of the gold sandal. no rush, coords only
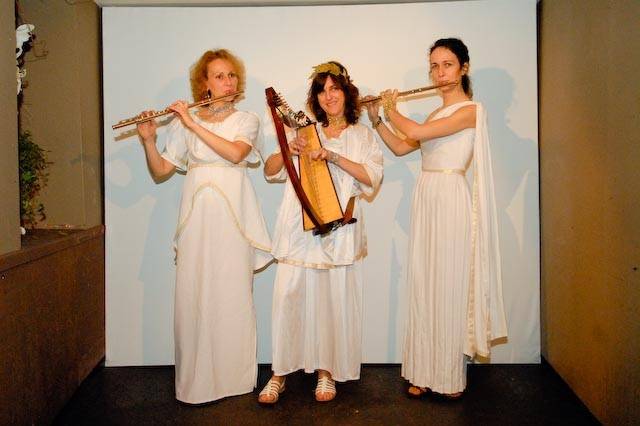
(272, 389)
(417, 391)
(327, 386)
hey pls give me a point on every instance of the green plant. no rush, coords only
(33, 173)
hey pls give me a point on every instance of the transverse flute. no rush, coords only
(139, 119)
(409, 92)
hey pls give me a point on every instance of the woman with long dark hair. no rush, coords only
(454, 280)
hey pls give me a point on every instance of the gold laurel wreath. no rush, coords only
(328, 67)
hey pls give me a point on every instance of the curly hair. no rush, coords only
(198, 75)
(344, 83)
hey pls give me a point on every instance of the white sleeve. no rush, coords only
(247, 132)
(372, 161)
(175, 148)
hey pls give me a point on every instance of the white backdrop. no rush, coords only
(147, 54)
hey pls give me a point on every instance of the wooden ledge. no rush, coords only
(44, 242)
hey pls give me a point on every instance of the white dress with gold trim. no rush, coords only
(317, 296)
(220, 240)
(455, 303)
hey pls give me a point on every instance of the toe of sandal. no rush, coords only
(417, 391)
(326, 386)
(271, 392)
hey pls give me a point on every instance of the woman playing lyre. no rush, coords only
(317, 296)
(455, 287)
(221, 237)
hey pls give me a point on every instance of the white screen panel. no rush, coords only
(147, 54)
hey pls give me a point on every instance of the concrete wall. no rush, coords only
(9, 189)
(62, 107)
(590, 180)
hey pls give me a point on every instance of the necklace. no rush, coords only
(337, 121)
(221, 109)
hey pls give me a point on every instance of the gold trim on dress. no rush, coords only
(242, 164)
(295, 262)
(447, 171)
(233, 215)
(471, 291)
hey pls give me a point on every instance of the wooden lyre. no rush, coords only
(321, 210)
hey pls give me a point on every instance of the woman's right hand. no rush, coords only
(373, 108)
(181, 109)
(147, 129)
(296, 146)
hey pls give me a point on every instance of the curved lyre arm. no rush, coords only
(288, 164)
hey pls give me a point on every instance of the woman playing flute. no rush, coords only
(221, 236)
(455, 288)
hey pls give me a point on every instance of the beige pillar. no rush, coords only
(9, 188)
(62, 107)
(590, 208)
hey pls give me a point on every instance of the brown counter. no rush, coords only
(52, 327)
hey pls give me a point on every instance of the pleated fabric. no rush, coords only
(317, 320)
(438, 283)
(439, 265)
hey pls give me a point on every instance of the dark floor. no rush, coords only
(496, 394)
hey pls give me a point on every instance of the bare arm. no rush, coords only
(463, 118)
(158, 166)
(275, 162)
(399, 146)
(356, 170)
(233, 151)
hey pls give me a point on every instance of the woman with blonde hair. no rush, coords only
(221, 236)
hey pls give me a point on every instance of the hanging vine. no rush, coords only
(32, 160)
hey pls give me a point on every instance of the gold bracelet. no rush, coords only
(333, 157)
(377, 123)
(387, 105)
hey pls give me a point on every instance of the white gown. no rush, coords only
(448, 238)
(317, 296)
(220, 240)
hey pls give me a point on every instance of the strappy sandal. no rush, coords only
(326, 386)
(272, 389)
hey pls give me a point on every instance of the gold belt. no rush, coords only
(447, 171)
(217, 164)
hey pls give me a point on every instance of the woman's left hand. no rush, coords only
(181, 108)
(389, 99)
(324, 154)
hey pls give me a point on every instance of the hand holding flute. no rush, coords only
(388, 99)
(147, 126)
(372, 104)
(149, 115)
